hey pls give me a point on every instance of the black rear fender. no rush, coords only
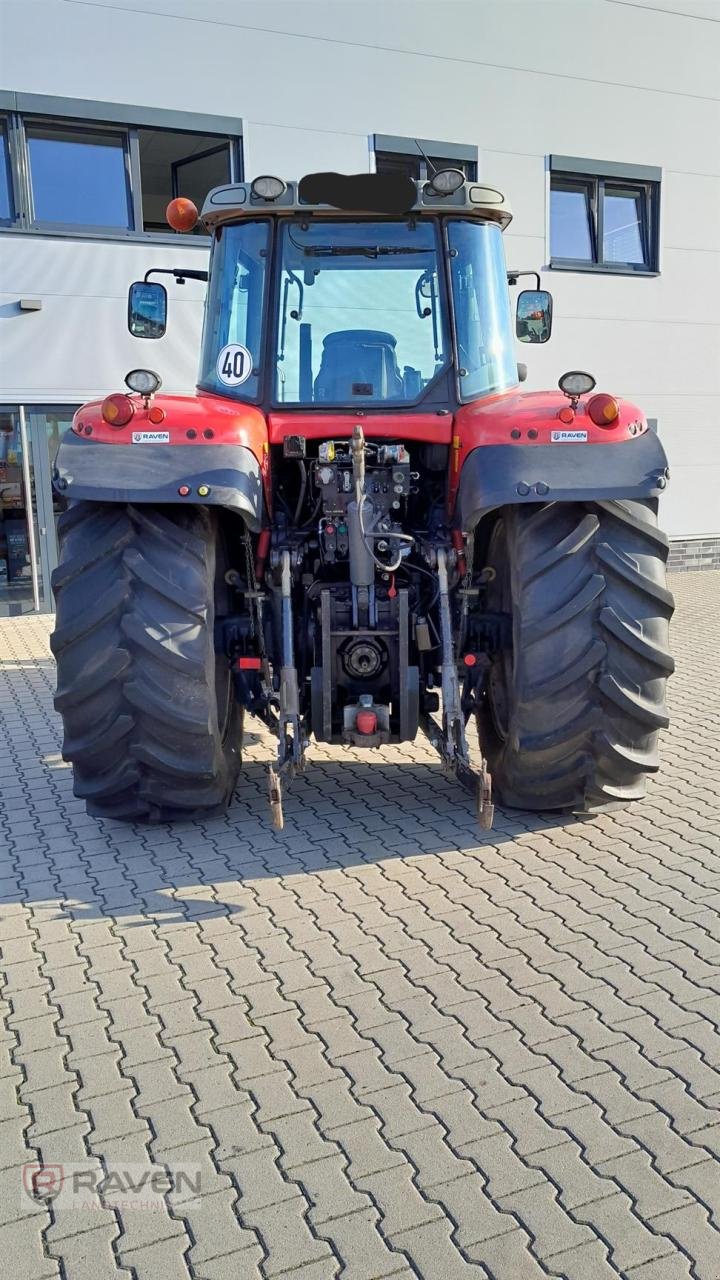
(86, 470)
(499, 475)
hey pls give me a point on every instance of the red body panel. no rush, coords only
(514, 417)
(435, 428)
(229, 421)
(511, 417)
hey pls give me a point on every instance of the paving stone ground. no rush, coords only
(382, 1043)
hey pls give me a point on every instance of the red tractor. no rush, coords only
(359, 527)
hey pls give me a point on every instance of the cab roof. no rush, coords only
(227, 204)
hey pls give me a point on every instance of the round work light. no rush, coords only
(268, 188)
(576, 383)
(446, 181)
(144, 382)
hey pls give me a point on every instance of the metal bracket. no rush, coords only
(477, 782)
(292, 741)
(512, 276)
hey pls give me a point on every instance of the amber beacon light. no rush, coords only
(182, 214)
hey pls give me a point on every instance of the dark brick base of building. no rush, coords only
(694, 553)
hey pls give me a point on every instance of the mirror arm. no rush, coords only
(513, 276)
(179, 274)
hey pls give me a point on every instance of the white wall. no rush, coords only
(602, 79)
(78, 346)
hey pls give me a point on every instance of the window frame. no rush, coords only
(609, 186)
(7, 131)
(199, 155)
(205, 383)
(367, 406)
(27, 123)
(599, 179)
(449, 249)
(19, 109)
(224, 143)
(464, 154)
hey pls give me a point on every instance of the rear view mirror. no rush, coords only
(147, 309)
(534, 315)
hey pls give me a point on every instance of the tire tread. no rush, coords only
(591, 659)
(136, 663)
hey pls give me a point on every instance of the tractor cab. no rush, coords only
(317, 306)
(341, 310)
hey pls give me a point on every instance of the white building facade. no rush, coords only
(598, 119)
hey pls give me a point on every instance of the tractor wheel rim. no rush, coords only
(224, 695)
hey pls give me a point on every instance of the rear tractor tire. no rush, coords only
(151, 725)
(572, 712)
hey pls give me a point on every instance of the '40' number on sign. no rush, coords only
(234, 365)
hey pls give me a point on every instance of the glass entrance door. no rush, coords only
(20, 583)
(29, 440)
(46, 425)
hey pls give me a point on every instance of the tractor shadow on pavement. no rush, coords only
(348, 809)
(340, 814)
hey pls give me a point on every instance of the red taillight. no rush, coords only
(567, 414)
(118, 409)
(603, 410)
(156, 414)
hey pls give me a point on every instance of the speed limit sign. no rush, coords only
(234, 364)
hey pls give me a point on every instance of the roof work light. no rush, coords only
(268, 188)
(446, 181)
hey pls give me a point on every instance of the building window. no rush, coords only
(107, 169)
(420, 158)
(7, 204)
(78, 177)
(603, 217)
(179, 164)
